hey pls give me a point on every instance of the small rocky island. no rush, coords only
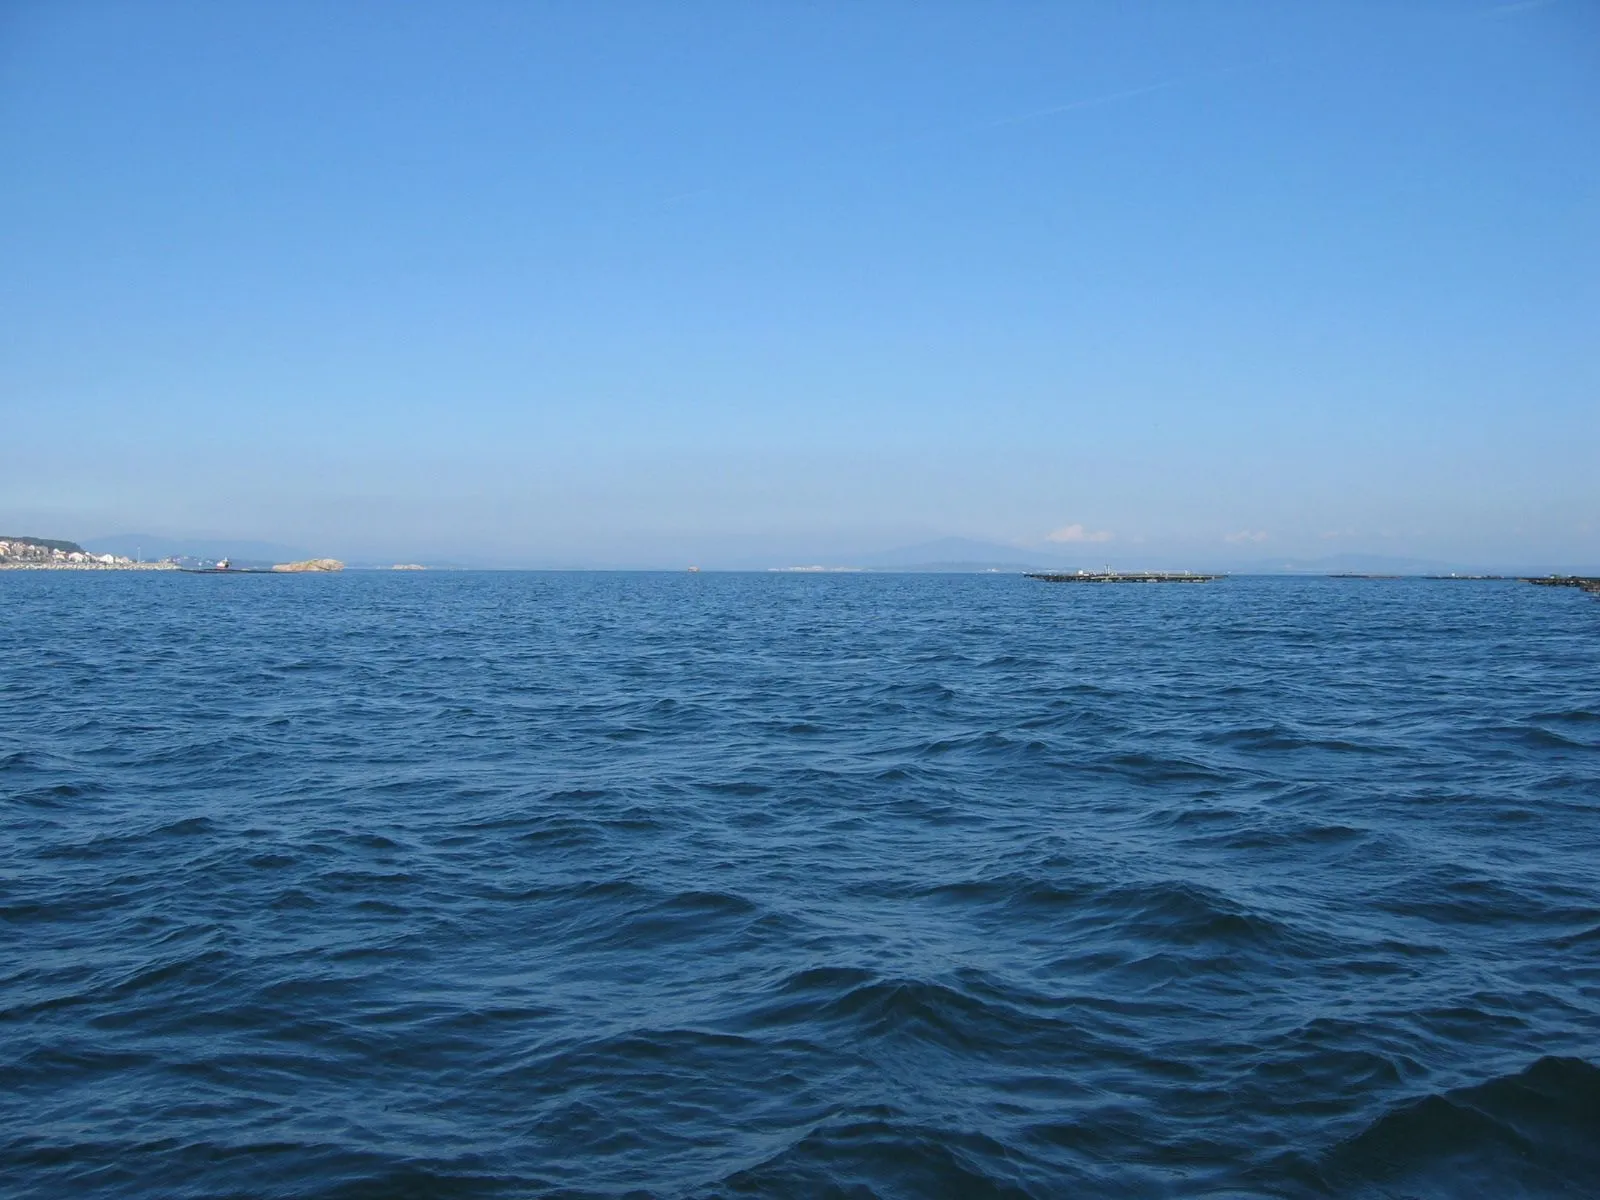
(48, 554)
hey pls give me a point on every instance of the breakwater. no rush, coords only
(1121, 577)
(1587, 583)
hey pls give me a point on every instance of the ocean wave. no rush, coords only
(1535, 1133)
(648, 886)
(885, 1156)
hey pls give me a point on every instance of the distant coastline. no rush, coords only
(53, 554)
(48, 554)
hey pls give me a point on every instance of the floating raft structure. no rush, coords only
(1121, 577)
(1587, 583)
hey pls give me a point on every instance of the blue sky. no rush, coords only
(750, 283)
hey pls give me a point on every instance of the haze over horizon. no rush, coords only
(752, 285)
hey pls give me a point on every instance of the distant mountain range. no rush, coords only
(954, 554)
(47, 543)
(966, 554)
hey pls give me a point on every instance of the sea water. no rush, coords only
(672, 885)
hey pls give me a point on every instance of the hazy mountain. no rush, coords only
(47, 543)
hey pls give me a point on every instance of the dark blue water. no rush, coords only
(713, 886)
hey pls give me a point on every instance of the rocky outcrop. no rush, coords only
(311, 564)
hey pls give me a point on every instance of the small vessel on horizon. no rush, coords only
(309, 566)
(224, 566)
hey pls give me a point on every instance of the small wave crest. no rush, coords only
(1528, 1134)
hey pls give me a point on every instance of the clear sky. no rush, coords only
(651, 283)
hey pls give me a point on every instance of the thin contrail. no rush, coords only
(1035, 115)
(1086, 102)
(1506, 10)
(689, 195)
(1089, 102)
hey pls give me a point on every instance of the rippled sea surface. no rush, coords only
(590, 885)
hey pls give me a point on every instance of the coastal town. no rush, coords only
(43, 554)
(49, 554)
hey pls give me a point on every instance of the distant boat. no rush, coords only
(225, 567)
(310, 566)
